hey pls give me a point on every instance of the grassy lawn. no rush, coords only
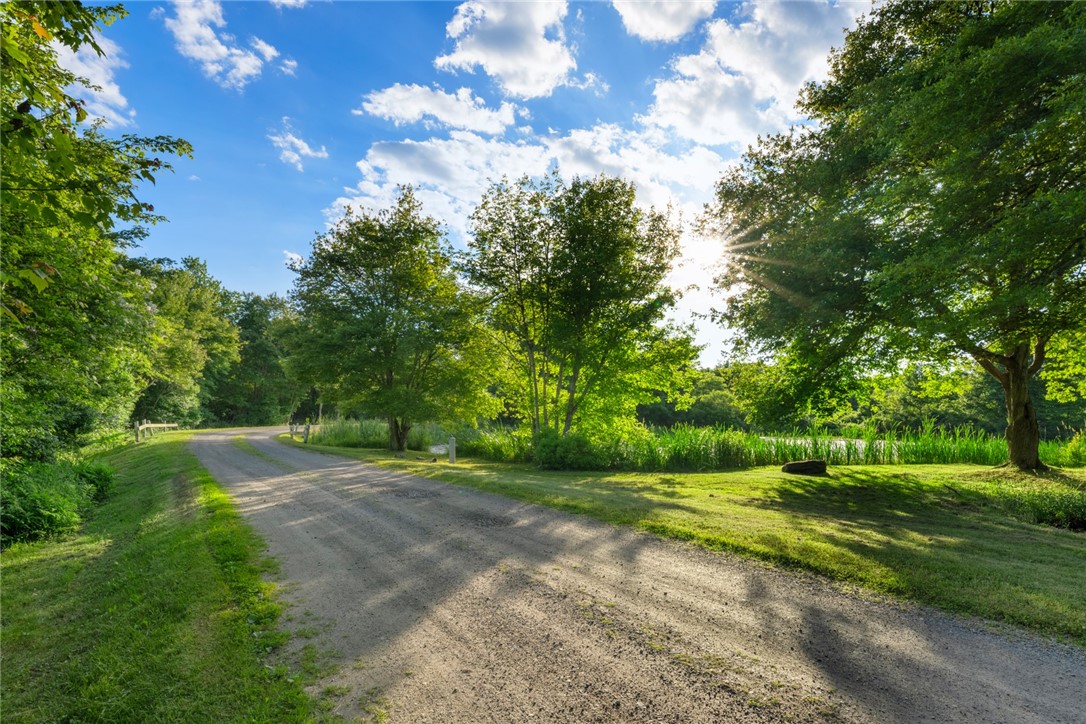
(937, 534)
(155, 611)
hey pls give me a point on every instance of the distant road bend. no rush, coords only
(442, 604)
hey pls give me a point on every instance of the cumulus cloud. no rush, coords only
(665, 20)
(291, 258)
(289, 3)
(519, 44)
(451, 174)
(266, 50)
(746, 77)
(293, 149)
(412, 103)
(102, 96)
(197, 30)
(289, 66)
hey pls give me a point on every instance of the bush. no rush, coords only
(43, 500)
(40, 500)
(569, 452)
(98, 476)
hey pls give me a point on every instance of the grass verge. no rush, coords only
(154, 611)
(944, 535)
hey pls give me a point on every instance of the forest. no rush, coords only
(883, 277)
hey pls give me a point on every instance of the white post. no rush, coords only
(452, 449)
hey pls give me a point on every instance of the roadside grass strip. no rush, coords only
(952, 536)
(154, 611)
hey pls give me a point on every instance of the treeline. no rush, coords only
(745, 396)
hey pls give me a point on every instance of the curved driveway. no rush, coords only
(431, 602)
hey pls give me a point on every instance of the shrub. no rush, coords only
(40, 500)
(569, 452)
(98, 476)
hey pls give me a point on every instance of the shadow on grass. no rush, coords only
(940, 543)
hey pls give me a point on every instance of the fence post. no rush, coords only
(305, 439)
(452, 449)
(137, 426)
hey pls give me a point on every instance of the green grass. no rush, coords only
(952, 536)
(154, 611)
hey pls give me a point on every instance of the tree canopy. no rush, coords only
(384, 325)
(573, 280)
(75, 322)
(934, 207)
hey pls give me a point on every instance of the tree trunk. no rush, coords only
(571, 402)
(1023, 432)
(397, 434)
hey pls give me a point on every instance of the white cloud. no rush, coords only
(289, 3)
(450, 176)
(105, 100)
(194, 177)
(293, 149)
(222, 60)
(665, 20)
(266, 50)
(510, 42)
(292, 257)
(745, 79)
(411, 103)
(289, 66)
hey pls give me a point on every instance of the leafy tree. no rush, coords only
(935, 207)
(255, 390)
(74, 322)
(384, 325)
(194, 338)
(573, 279)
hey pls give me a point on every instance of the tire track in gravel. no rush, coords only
(443, 604)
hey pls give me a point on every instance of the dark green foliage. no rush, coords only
(573, 451)
(572, 276)
(934, 210)
(254, 389)
(195, 338)
(43, 500)
(99, 476)
(384, 326)
(73, 345)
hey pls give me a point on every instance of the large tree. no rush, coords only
(75, 324)
(935, 205)
(573, 279)
(194, 339)
(384, 325)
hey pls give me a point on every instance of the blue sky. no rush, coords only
(297, 109)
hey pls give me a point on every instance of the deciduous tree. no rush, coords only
(384, 324)
(573, 279)
(935, 206)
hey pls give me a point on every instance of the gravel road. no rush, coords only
(427, 602)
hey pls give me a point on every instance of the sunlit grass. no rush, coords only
(155, 611)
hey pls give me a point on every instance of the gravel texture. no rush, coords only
(425, 602)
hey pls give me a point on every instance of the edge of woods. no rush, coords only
(969, 539)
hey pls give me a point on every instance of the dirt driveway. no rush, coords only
(441, 604)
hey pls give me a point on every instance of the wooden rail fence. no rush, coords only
(147, 428)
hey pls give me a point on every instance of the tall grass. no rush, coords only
(374, 434)
(685, 448)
